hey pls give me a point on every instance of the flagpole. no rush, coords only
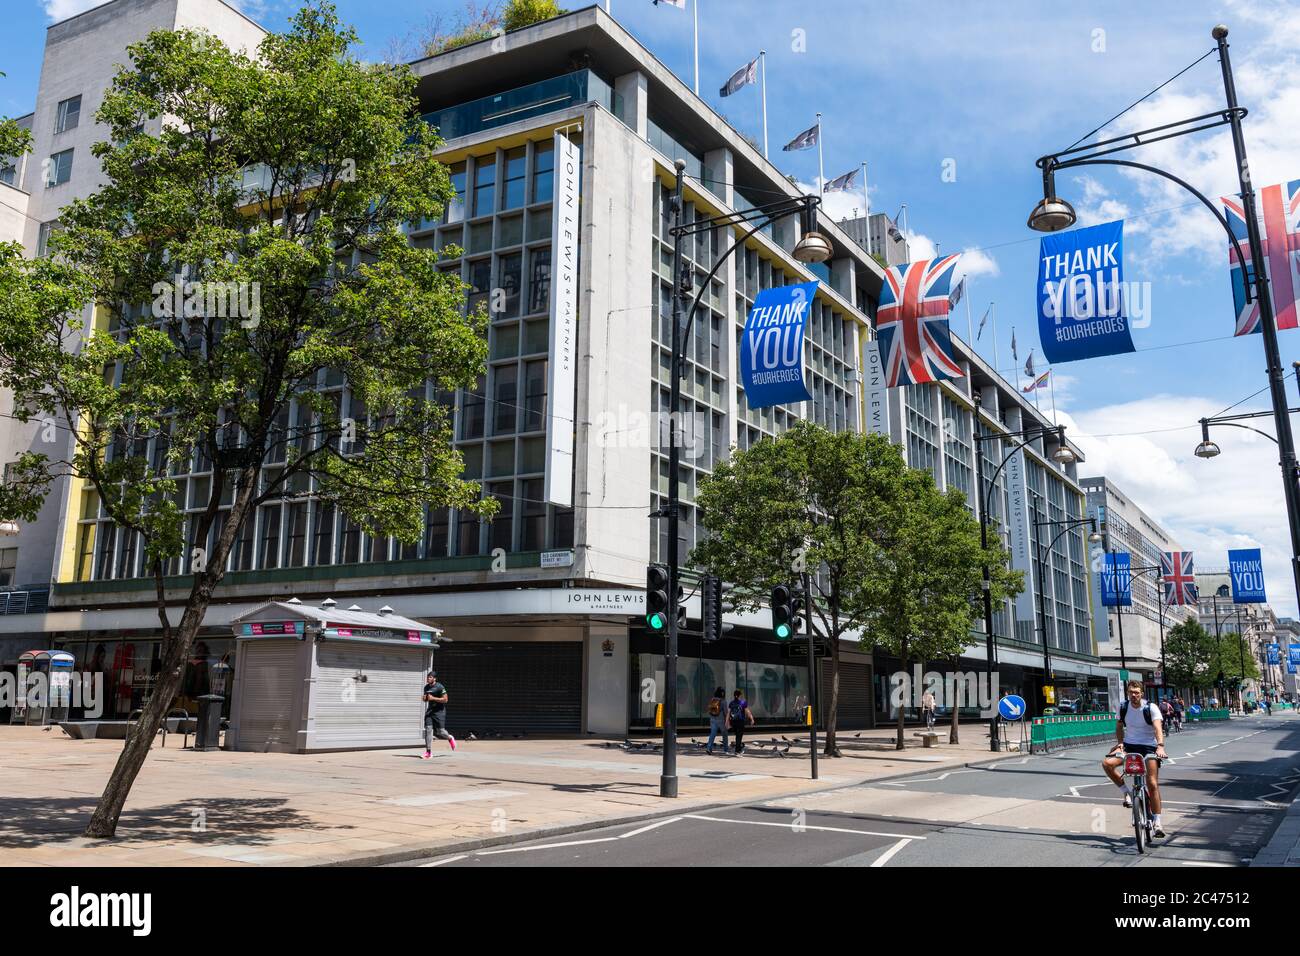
(762, 68)
(821, 171)
(866, 205)
(970, 328)
(993, 307)
(1052, 383)
(695, 11)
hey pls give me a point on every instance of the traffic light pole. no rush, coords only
(668, 777)
(812, 671)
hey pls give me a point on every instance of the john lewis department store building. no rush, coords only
(542, 607)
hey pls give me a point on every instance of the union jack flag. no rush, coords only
(1180, 581)
(1279, 227)
(912, 322)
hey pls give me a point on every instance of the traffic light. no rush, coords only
(680, 605)
(796, 608)
(656, 598)
(713, 594)
(783, 617)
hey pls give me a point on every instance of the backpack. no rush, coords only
(1146, 711)
(736, 709)
(715, 707)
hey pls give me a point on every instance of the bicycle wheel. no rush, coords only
(1139, 818)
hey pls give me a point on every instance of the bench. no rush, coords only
(928, 737)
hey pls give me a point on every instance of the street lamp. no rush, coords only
(1062, 455)
(1066, 525)
(9, 528)
(812, 247)
(1053, 214)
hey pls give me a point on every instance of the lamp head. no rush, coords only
(812, 248)
(1052, 214)
(1206, 449)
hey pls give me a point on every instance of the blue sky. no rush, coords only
(986, 89)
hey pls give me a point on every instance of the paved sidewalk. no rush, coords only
(243, 809)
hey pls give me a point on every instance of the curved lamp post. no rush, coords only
(1062, 456)
(812, 247)
(1054, 213)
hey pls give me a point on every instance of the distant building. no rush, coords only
(880, 236)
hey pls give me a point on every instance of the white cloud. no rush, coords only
(841, 204)
(62, 9)
(976, 263)
(1234, 500)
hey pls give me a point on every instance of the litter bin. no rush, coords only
(207, 735)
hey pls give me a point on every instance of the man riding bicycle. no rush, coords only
(1139, 730)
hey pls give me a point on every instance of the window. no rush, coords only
(485, 185)
(534, 396)
(456, 212)
(512, 193)
(69, 115)
(43, 238)
(539, 281)
(505, 398)
(543, 172)
(511, 279)
(59, 170)
(270, 551)
(9, 174)
(8, 563)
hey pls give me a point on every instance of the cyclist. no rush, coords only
(1178, 713)
(1140, 730)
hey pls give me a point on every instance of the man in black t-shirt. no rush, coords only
(435, 715)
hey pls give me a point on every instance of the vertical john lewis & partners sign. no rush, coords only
(875, 391)
(561, 378)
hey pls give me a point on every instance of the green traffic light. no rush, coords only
(783, 631)
(655, 621)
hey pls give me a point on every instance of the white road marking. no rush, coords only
(450, 859)
(1225, 786)
(1203, 863)
(889, 854)
(552, 846)
(789, 826)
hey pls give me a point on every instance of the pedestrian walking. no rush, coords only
(927, 708)
(435, 714)
(717, 719)
(739, 716)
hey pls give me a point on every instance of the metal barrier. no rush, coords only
(1069, 730)
(1221, 714)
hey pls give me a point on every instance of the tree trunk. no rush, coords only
(103, 822)
(953, 732)
(832, 712)
(901, 742)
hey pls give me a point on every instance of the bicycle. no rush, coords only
(1135, 768)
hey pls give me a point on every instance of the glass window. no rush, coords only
(505, 340)
(323, 547)
(350, 541)
(456, 212)
(8, 564)
(512, 193)
(510, 282)
(534, 396)
(539, 280)
(296, 535)
(543, 172)
(471, 421)
(537, 336)
(69, 115)
(485, 185)
(510, 230)
(480, 281)
(467, 524)
(505, 396)
(269, 552)
(532, 524)
(435, 536)
(59, 170)
(9, 174)
(501, 530)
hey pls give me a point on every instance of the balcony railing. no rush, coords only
(546, 96)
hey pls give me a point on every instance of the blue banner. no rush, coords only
(771, 353)
(1290, 668)
(1274, 653)
(1081, 312)
(1247, 571)
(1116, 581)
(1293, 653)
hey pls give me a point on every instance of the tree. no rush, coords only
(524, 13)
(1235, 661)
(922, 600)
(809, 499)
(1189, 650)
(326, 282)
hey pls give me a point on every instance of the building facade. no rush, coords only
(1132, 637)
(543, 606)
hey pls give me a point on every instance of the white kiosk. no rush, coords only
(317, 678)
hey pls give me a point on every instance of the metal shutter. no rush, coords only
(855, 695)
(384, 708)
(511, 688)
(270, 678)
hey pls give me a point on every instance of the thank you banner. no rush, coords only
(1116, 582)
(771, 352)
(1247, 571)
(1293, 653)
(1081, 311)
(1274, 653)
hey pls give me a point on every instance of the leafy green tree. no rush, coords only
(1189, 654)
(1235, 660)
(327, 283)
(524, 13)
(815, 500)
(922, 599)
